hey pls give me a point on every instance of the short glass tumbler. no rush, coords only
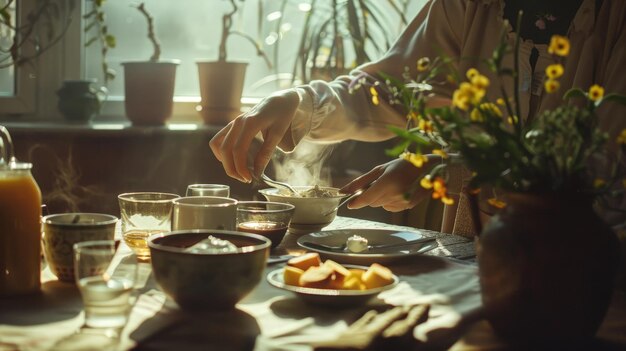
(269, 219)
(105, 282)
(208, 190)
(144, 214)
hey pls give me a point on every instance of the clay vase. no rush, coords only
(221, 86)
(149, 91)
(547, 265)
(79, 100)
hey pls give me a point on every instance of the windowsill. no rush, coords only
(106, 128)
(112, 117)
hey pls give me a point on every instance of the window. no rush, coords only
(188, 30)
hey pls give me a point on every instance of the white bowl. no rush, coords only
(309, 212)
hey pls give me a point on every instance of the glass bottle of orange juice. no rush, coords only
(20, 228)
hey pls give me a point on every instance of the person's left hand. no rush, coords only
(389, 185)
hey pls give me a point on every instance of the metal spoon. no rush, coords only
(345, 201)
(279, 185)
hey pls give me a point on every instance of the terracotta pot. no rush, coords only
(221, 86)
(149, 91)
(547, 266)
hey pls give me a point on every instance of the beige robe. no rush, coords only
(470, 29)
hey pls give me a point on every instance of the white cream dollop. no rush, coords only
(212, 245)
(356, 243)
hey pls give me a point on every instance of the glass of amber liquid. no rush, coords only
(144, 214)
(269, 219)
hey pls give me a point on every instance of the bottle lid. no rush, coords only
(8, 162)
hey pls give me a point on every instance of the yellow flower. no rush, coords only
(491, 108)
(423, 64)
(476, 116)
(496, 203)
(426, 126)
(554, 71)
(447, 200)
(468, 94)
(512, 119)
(596, 92)
(559, 45)
(621, 138)
(500, 101)
(441, 153)
(480, 82)
(460, 100)
(599, 183)
(426, 183)
(471, 73)
(440, 191)
(552, 85)
(374, 94)
(417, 160)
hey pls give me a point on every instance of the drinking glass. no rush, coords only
(144, 214)
(208, 190)
(269, 219)
(106, 282)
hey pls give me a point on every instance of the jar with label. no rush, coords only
(20, 224)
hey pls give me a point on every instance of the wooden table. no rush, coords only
(272, 319)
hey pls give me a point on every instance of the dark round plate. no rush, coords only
(416, 244)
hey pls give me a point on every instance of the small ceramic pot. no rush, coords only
(79, 100)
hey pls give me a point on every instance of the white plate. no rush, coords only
(329, 297)
(374, 237)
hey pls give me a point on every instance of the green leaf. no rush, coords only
(110, 40)
(89, 26)
(574, 93)
(6, 16)
(414, 137)
(620, 99)
(90, 41)
(398, 149)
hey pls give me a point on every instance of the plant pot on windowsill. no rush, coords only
(149, 91)
(221, 86)
(80, 101)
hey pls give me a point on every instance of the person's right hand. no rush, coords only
(271, 117)
(388, 184)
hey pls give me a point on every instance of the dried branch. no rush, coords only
(151, 33)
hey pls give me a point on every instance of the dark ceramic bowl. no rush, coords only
(205, 281)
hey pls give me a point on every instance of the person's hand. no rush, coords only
(271, 117)
(389, 184)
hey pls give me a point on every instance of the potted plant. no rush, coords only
(547, 260)
(149, 85)
(221, 81)
(337, 36)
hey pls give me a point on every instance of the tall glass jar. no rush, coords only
(20, 224)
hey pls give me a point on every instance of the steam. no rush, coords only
(66, 193)
(305, 165)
